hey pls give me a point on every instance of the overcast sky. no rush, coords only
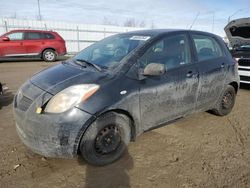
(163, 13)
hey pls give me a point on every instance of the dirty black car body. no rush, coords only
(121, 87)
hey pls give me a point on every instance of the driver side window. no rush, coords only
(172, 51)
(16, 36)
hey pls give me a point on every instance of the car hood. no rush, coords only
(238, 32)
(59, 77)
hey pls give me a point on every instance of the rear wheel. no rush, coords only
(106, 139)
(226, 102)
(49, 55)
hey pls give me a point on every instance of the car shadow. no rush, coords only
(112, 175)
(15, 60)
(6, 99)
(245, 86)
(35, 59)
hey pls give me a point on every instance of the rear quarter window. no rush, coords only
(207, 47)
(48, 36)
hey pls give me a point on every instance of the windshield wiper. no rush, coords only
(89, 63)
(79, 63)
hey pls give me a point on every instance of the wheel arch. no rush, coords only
(126, 113)
(235, 86)
(119, 111)
(48, 48)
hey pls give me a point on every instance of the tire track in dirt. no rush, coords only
(240, 136)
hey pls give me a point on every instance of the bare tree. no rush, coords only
(142, 24)
(131, 22)
(106, 21)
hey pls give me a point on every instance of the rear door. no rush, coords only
(212, 65)
(34, 42)
(172, 95)
(13, 47)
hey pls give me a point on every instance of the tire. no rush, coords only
(49, 55)
(106, 139)
(226, 102)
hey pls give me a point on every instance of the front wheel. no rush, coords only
(106, 139)
(49, 55)
(226, 102)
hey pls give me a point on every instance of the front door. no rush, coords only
(172, 95)
(13, 47)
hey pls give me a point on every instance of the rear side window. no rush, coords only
(16, 36)
(33, 36)
(48, 36)
(207, 47)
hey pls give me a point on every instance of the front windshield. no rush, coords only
(109, 52)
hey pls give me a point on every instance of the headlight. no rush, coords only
(70, 97)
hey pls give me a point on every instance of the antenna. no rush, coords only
(194, 20)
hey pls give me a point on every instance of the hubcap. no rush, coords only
(227, 100)
(49, 55)
(108, 140)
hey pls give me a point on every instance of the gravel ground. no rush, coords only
(201, 150)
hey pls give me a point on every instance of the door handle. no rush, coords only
(222, 65)
(192, 74)
(189, 74)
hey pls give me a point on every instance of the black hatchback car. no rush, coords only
(97, 102)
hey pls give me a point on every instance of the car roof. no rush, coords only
(29, 30)
(156, 32)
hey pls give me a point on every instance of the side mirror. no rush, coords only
(6, 39)
(154, 69)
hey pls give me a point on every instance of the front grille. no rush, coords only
(24, 103)
(243, 69)
(245, 78)
(244, 62)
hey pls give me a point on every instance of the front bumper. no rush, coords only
(244, 75)
(244, 70)
(51, 135)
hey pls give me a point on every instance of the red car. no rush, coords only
(32, 43)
